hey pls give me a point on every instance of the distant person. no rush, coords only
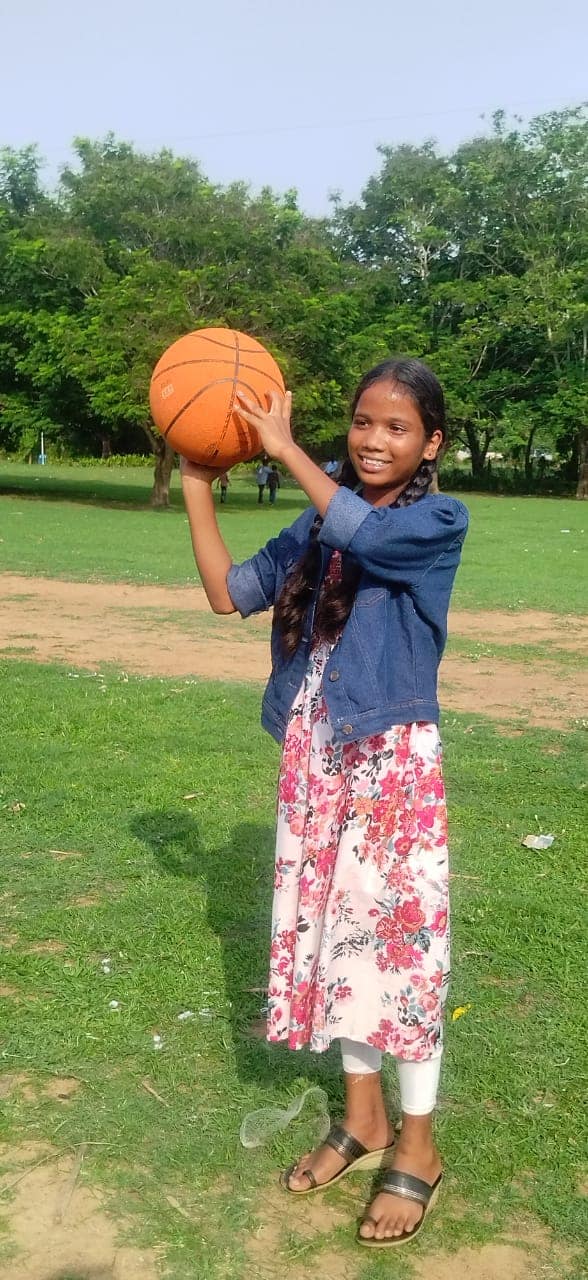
(331, 467)
(261, 476)
(223, 483)
(360, 942)
(273, 484)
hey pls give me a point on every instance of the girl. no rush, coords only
(361, 585)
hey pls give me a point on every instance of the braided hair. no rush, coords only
(336, 598)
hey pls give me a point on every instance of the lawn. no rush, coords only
(521, 553)
(136, 825)
(176, 891)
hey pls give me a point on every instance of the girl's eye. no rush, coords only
(359, 422)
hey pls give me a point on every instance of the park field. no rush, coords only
(136, 820)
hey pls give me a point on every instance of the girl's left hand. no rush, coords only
(273, 424)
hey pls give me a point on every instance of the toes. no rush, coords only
(367, 1229)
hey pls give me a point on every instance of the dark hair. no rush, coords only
(336, 598)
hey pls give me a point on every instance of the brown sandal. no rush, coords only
(354, 1153)
(408, 1187)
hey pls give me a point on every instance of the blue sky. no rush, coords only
(282, 92)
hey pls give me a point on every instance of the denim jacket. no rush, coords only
(383, 668)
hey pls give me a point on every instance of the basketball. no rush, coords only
(193, 391)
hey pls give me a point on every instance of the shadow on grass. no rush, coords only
(101, 1274)
(127, 495)
(239, 881)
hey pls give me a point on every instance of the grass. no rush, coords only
(104, 855)
(516, 555)
(177, 893)
(530, 655)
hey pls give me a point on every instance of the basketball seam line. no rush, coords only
(217, 382)
(233, 392)
(247, 351)
(203, 360)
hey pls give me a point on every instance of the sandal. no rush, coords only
(410, 1188)
(354, 1153)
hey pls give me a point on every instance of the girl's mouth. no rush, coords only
(372, 464)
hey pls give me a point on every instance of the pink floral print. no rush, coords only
(360, 939)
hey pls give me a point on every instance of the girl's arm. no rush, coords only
(212, 557)
(273, 426)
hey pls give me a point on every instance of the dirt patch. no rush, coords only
(86, 900)
(90, 625)
(49, 947)
(532, 627)
(492, 1262)
(17, 1084)
(59, 1088)
(62, 1088)
(59, 1232)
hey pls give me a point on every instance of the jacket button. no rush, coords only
(333, 675)
(347, 728)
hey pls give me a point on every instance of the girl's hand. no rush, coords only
(196, 471)
(272, 424)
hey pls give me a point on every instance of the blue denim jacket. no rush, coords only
(383, 669)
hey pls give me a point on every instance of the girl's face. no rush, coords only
(387, 441)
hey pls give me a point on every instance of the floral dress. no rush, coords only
(360, 937)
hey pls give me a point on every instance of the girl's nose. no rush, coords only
(374, 438)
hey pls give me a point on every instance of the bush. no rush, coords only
(508, 480)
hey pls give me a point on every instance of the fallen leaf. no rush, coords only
(459, 1012)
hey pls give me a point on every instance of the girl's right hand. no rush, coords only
(196, 471)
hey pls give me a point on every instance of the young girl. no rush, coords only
(360, 951)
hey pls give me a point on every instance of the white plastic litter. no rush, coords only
(183, 1017)
(157, 1042)
(260, 1127)
(538, 842)
(114, 1004)
(105, 965)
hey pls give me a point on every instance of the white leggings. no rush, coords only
(419, 1081)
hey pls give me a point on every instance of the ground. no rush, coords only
(165, 631)
(519, 668)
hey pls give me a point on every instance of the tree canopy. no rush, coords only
(475, 261)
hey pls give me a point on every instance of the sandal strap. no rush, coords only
(408, 1187)
(345, 1144)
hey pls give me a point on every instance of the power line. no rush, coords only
(327, 125)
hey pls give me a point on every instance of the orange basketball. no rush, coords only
(193, 391)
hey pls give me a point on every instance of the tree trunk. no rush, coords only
(528, 450)
(582, 489)
(106, 445)
(477, 450)
(164, 461)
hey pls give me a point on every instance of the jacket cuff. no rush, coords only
(245, 590)
(345, 513)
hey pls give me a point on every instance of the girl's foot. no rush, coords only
(393, 1215)
(325, 1163)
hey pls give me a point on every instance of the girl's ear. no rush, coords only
(433, 445)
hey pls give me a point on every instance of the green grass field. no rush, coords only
(136, 823)
(516, 555)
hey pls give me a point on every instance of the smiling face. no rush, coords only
(387, 441)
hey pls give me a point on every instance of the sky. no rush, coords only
(285, 93)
